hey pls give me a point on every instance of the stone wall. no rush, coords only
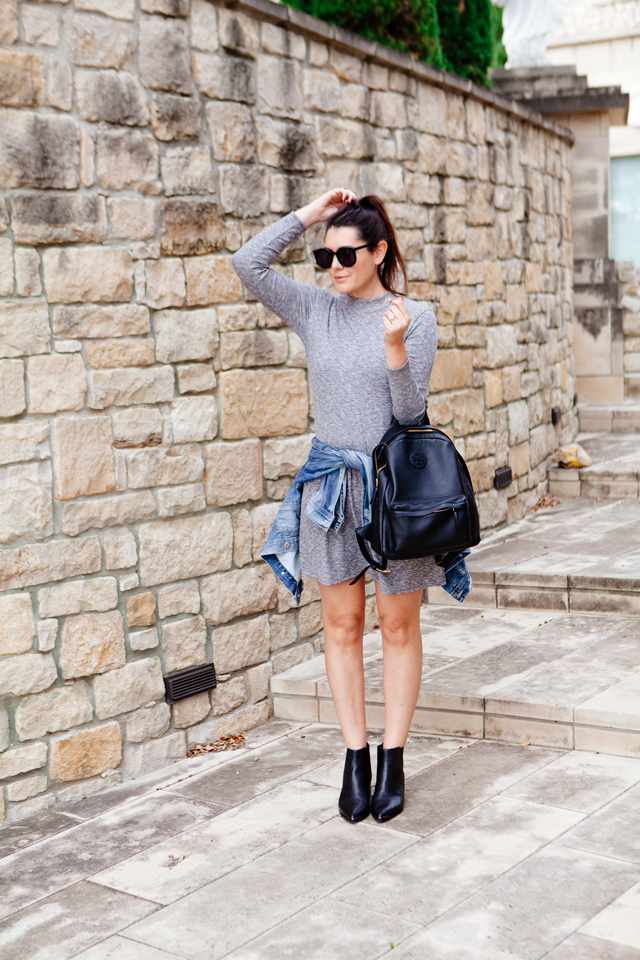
(153, 414)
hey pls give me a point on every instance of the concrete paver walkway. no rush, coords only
(503, 851)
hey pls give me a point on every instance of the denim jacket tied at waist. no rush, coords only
(326, 509)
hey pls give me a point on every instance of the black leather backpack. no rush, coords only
(423, 504)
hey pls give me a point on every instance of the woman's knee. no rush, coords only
(398, 630)
(344, 627)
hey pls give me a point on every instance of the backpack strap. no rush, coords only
(383, 566)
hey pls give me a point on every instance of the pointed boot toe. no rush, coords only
(388, 796)
(354, 804)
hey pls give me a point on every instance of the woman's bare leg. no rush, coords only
(402, 653)
(343, 618)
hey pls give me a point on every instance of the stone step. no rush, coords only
(614, 471)
(530, 677)
(623, 417)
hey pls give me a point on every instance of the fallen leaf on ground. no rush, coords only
(232, 742)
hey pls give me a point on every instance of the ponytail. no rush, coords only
(370, 218)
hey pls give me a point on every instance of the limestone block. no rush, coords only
(178, 598)
(224, 78)
(9, 22)
(91, 643)
(127, 158)
(87, 273)
(420, 187)
(165, 283)
(156, 753)
(285, 145)
(185, 334)
(4, 730)
(86, 753)
(238, 32)
(21, 78)
(493, 388)
(519, 459)
(388, 110)
(289, 658)
(25, 788)
(282, 42)
(47, 635)
(192, 710)
(22, 759)
(169, 8)
(123, 387)
(25, 501)
(204, 25)
(38, 150)
(174, 117)
(160, 466)
(210, 280)
(452, 369)
(141, 427)
(191, 227)
(56, 382)
(17, 629)
(492, 281)
(239, 593)
(194, 419)
(120, 353)
(263, 403)
(256, 348)
(131, 218)
(164, 55)
(84, 459)
(244, 191)
(280, 87)
(120, 549)
(187, 170)
(262, 518)
(241, 645)
(60, 85)
(241, 537)
(185, 548)
(176, 501)
(103, 512)
(148, 723)
(322, 91)
(233, 472)
(184, 643)
(227, 696)
(141, 610)
(309, 619)
(57, 709)
(130, 687)
(96, 42)
(385, 179)
(28, 673)
(6, 268)
(78, 596)
(240, 316)
(41, 562)
(289, 192)
(347, 139)
(118, 9)
(468, 410)
(285, 457)
(24, 441)
(517, 302)
(192, 378)
(518, 422)
(12, 397)
(231, 129)
(95, 321)
(27, 273)
(502, 346)
(113, 96)
(24, 328)
(283, 630)
(543, 443)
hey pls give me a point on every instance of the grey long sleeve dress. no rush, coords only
(355, 394)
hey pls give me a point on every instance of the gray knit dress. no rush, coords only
(355, 394)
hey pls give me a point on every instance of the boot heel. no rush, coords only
(388, 796)
(354, 804)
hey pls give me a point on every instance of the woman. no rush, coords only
(369, 354)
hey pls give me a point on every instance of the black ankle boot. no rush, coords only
(355, 797)
(388, 796)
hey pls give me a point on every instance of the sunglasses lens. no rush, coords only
(346, 256)
(324, 258)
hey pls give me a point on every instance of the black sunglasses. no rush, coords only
(346, 256)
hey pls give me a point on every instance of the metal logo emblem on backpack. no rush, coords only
(424, 512)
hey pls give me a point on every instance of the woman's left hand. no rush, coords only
(396, 321)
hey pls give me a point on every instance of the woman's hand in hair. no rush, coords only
(325, 206)
(396, 321)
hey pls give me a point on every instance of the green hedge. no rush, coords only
(459, 35)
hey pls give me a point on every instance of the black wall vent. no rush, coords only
(556, 415)
(502, 478)
(186, 683)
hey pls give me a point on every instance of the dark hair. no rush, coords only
(370, 218)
